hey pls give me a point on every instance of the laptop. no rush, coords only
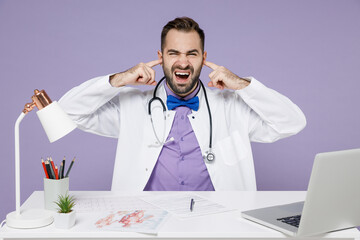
(332, 200)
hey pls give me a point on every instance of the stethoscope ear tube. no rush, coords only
(159, 99)
(210, 118)
(156, 98)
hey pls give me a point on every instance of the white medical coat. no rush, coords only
(255, 113)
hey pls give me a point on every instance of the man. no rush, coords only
(169, 150)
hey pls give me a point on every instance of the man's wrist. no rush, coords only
(243, 83)
(115, 80)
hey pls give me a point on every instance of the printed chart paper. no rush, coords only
(120, 213)
(179, 205)
(86, 204)
(143, 221)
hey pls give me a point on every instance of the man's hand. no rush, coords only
(223, 78)
(141, 74)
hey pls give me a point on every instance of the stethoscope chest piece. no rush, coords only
(210, 156)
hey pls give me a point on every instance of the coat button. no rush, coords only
(146, 169)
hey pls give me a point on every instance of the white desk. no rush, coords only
(227, 225)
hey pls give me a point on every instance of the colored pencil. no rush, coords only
(56, 173)
(52, 164)
(68, 171)
(43, 164)
(52, 170)
(48, 168)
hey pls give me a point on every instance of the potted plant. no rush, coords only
(65, 216)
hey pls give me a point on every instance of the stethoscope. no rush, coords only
(210, 156)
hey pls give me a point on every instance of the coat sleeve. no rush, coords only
(272, 116)
(94, 106)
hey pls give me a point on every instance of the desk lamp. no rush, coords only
(56, 124)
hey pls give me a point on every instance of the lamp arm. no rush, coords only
(48, 111)
(17, 162)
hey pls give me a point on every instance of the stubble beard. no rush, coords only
(183, 89)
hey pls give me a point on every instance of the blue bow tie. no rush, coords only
(173, 102)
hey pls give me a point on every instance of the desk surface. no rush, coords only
(215, 226)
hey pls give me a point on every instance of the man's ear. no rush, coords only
(160, 56)
(204, 58)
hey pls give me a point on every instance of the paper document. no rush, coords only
(143, 214)
(87, 204)
(119, 213)
(143, 221)
(179, 204)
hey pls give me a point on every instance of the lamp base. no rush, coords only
(30, 218)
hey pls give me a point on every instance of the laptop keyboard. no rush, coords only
(293, 220)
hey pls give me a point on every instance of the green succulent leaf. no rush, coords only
(65, 203)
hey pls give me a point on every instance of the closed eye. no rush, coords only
(192, 53)
(173, 52)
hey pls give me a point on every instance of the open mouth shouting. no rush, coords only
(182, 76)
(182, 80)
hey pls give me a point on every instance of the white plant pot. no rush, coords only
(65, 220)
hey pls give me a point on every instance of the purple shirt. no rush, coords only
(180, 166)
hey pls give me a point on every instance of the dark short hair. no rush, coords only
(185, 24)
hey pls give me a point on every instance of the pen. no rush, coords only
(63, 169)
(71, 164)
(192, 203)
(43, 163)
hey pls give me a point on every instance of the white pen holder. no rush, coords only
(52, 189)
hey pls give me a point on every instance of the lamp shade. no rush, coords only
(55, 121)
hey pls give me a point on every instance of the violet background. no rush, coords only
(307, 50)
